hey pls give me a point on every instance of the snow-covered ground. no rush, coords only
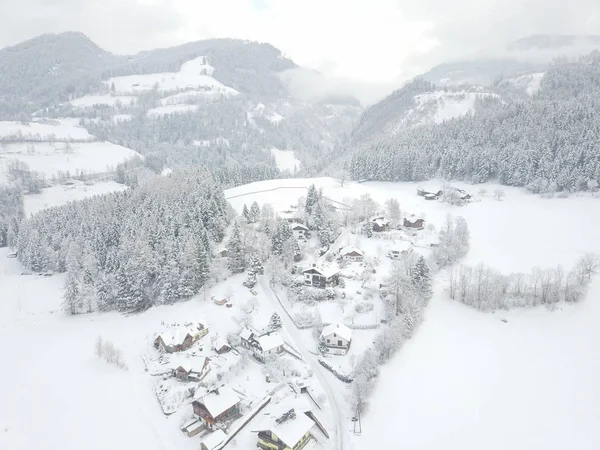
(286, 160)
(171, 109)
(50, 159)
(61, 194)
(439, 106)
(193, 74)
(43, 130)
(102, 100)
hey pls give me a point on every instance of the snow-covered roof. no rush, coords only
(270, 341)
(299, 226)
(430, 189)
(175, 337)
(220, 342)
(220, 400)
(246, 334)
(195, 365)
(381, 220)
(326, 271)
(193, 426)
(290, 431)
(340, 329)
(347, 250)
(214, 439)
(401, 246)
(414, 218)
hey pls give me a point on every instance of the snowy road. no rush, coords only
(311, 360)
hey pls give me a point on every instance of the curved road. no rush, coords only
(309, 358)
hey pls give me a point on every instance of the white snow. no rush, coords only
(286, 160)
(210, 142)
(193, 74)
(52, 159)
(291, 430)
(43, 130)
(102, 100)
(213, 439)
(61, 194)
(447, 105)
(171, 109)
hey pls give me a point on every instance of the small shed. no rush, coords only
(351, 254)
(213, 440)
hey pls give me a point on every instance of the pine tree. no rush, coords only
(254, 213)
(71, 301)
(275, 322)
(246, 213)
(421, 278)
(367, 229)
(311, 199)
(235, 251)
(256, 266)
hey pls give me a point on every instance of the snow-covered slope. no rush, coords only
(286, 160)
(529, 83)
(43, 130)
(171, 109)
(193, 74)
(50, 159)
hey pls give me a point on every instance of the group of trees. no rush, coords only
(486, 289)
(408, 290)
(453, 241)
(133, 249)
(11, 214)
(547, 143)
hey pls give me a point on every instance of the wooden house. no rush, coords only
(262, 347)
(300, 231)
(337, 338)
(415, 223)
(380, 224)
(195, 370)
(221, 253)
(351, 254)
(287, 431)
(220, 345)
(429, 192)
(216, 406)
(321, 277)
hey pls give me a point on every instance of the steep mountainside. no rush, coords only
(547, 141)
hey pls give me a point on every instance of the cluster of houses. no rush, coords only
(432, 193)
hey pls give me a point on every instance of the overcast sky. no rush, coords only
(380, 41)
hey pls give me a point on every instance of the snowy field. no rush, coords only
(88, 101)
(50, 159)
(44, 130)
(440, 106)
(193, 74)
(286, 160)
(61, 194)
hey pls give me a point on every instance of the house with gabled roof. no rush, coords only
(351, 254)
(414, 222)
(263, 347)
(216, 406)
(194, 370)
(400, 249)
(300, 231)
(321, 277)
(337, 338)
(380, 224)
(284, 431)
(180, 338)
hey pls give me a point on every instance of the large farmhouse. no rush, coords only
(180, 339)
(290, 430)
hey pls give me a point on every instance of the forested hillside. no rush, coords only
(548, 142)
(133, 249)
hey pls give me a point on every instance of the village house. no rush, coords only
(291, 215)
(321, 277)
(337, 338)
(216, 406)
(414, 222)
(195, 370)
(262, 347)
(459, 193)
(290, 430)
(181, 338)
(300, 231)
(351, 254)
(221, 253)
(429, 192)
(380, 224)
(220, 345)
(399, 249)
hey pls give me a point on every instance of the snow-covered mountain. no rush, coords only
(160, 102)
